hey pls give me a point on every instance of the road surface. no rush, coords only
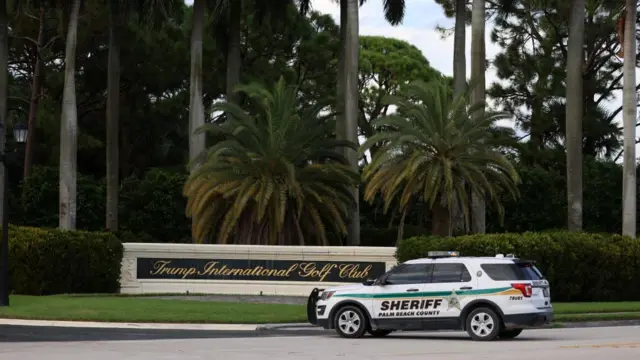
(619, 343)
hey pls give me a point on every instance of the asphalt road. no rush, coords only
(621, 343)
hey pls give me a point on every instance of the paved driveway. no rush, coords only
(618, 343)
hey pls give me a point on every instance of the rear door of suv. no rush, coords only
(519, 280)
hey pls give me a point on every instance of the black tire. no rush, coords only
(355, 328)
(483, 324)
(510, 334)
(379, 332)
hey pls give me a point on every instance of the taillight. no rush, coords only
(525, 289)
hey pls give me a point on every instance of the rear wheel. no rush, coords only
(350, 322)
(483, 324)
(510, 334)
(379, 332)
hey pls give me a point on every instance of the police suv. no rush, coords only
(489, 297)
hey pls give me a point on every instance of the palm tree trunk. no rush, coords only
(478, 61)
(457, 223)
(69, 127)
(441, 221)
(4, 88)
(574, 111)
(459, 47)
(340, 126)
(233, 56)
(33, 103)
(629, 121)
(351, 99)
(113, 109)
(196, 107)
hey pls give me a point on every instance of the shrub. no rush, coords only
(51, 261)
(38, 205)
(579, 266)
(154, 204)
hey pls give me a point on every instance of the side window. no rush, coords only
(450, 273)
(409, 274)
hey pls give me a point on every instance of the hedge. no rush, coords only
(52, 261)
(579, 266)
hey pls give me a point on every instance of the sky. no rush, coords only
(419, 29)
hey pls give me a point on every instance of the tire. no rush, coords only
(350, 322)
(379, 332)
(509, 334)
(483, 324)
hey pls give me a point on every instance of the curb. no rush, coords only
(140, 326)
(555, 325)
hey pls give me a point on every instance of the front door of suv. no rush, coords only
(397, 299)
(452, 287)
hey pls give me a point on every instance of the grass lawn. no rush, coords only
(126, 309)
(129, 309)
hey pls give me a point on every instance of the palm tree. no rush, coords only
(276, 177)
(69, 127)
(196, 106)
(434, 145)
(4, 95)
(478, 65)
(629, 121)
(574, 110)
(113, 109)
(347, 90)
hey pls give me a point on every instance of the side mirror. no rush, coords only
(369, 282)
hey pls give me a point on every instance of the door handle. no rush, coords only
(412, 290)
(466, 288)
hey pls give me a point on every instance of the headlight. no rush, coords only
(326, 295)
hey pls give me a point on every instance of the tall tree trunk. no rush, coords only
(69, 127)
(234, 60)
(113, 112)
(629, 121)
(351, 99)
(441, 221)
(574, 111)
(340, 118)
(457, 222)
(459, 47)
(196, 107)
(478, 61)
(4, 89)
(35, 97)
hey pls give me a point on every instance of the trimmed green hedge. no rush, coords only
(579, 266)
(51, 261)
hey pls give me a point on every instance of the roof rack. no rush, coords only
(442, 254)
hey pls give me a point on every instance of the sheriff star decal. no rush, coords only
(453, 301)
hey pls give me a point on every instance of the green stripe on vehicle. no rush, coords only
(424, 294)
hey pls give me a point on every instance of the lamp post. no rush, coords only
(20, 137)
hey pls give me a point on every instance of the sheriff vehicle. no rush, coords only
(489, 297)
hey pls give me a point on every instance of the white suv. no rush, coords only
(489, 297)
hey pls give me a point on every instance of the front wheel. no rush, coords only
(483, 324)
(350, 322)
(510, 334)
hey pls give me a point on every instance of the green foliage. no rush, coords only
(38, 205)
(51, 261)
(432, 156)
(579, 266)
(277, 175)
(153, 204)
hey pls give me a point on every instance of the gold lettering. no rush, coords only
(308, 270)
(209, 268)
(352, 271)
